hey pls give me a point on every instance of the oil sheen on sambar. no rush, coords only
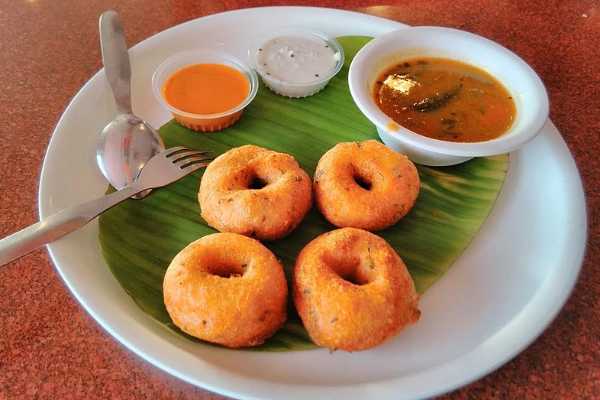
(445, 99)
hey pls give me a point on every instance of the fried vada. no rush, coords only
(255, 192)
(227, 289)
(352, 290)
(365, 185)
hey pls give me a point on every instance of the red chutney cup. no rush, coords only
(203, 122)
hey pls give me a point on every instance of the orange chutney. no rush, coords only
(206, 88)
(445, 99)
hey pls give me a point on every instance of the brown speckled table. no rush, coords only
(51, 349)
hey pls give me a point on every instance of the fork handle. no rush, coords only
(57, 225)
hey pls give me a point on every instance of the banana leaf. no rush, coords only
(140, 237)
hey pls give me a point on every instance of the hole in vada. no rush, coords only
(257, 183)
(349, 269)
(362, 181)
(355, 277)
(227, 270)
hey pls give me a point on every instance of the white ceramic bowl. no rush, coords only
(526, 88)
(293, 89)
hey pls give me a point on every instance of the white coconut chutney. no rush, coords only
(297, 59)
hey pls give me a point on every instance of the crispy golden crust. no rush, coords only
(229, 204)
(340, 314)
(392, 179)
(228, 289)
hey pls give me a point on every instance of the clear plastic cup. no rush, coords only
(203, 122)
(293, 89)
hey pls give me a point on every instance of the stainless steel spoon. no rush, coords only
(127, 142)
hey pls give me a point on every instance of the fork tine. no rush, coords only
(195, 161)
(189, 168)
(176, 150)
(189, 160)
(171, 151)
(187, 155)
(161, 170)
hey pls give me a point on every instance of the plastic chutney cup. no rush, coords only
(203, 122)
(293, 89)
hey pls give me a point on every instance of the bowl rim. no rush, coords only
(225, 58)
(502, 144)
(299, 31)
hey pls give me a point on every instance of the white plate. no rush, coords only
(497, 298)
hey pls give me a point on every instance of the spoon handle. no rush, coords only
(116, 60)
(57, 225)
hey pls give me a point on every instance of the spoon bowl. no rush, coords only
(124, 147)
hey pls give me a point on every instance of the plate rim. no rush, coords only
(501, 359)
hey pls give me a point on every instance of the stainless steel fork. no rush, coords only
(166, 167)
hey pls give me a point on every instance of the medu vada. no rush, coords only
(255, 192)
(228, 289)
(352, 290)
(365, 185)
